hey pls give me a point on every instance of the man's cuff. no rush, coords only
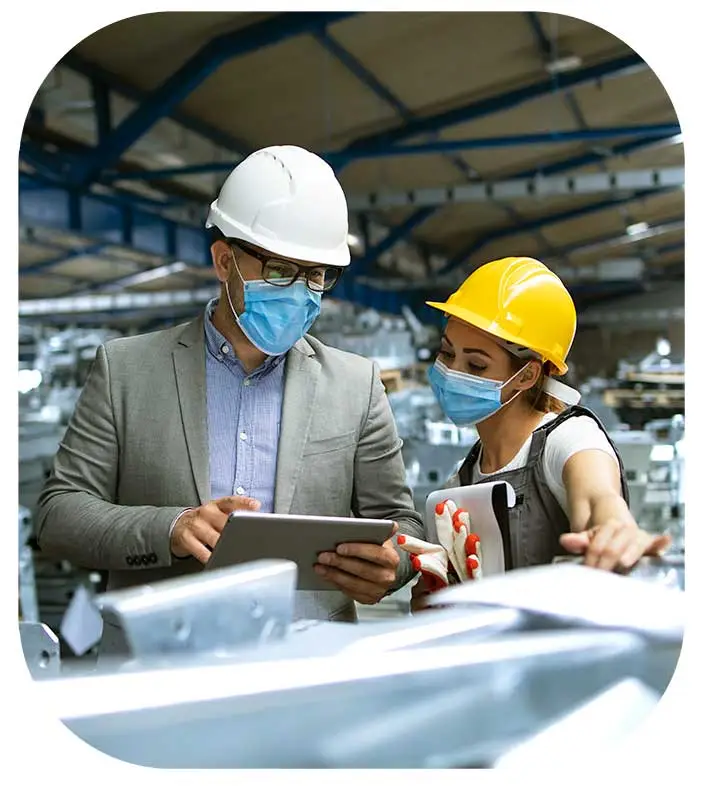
(171, 530)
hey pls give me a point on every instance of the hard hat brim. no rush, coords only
(331, 257)
(482, 323)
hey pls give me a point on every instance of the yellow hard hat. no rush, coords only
(521, 302)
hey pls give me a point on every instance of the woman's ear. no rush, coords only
(530, 375)
(222, 256)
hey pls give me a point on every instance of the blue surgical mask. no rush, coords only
(465, 398)
(275, 318)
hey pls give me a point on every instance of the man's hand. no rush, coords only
(364, 571)
(197, 531)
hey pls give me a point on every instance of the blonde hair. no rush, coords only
(536, 396)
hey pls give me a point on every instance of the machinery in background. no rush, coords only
(649, 390)
(53, 367)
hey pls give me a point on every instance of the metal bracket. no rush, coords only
(41, 650)
(212, 611)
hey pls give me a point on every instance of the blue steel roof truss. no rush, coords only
(135, 222)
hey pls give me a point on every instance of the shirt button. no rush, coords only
(240, 490)
(225, 349)
(247, 383)
(243, 436)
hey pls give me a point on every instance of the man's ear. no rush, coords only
(222, 258)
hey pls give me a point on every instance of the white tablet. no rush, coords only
(300, 539)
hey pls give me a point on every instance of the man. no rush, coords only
(238, 410)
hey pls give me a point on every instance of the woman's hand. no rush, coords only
(604, 530)
(614, 545)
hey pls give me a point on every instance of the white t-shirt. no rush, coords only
(570, 437)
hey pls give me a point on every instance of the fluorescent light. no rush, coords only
(637, 229)
(661, 453)
(561, 65)
(663, 347)
(170, 159)
(146, 275)
(29, 379)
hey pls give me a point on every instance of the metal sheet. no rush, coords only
(41, 650)
(323, 711)
(214, 611)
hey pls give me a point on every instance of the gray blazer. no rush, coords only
(135, 454)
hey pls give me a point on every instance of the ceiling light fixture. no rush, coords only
(560, 65)
(637, 229)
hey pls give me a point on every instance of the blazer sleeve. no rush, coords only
(77, 516)
(380, 489)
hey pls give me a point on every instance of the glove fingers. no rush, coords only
(461, 524)
(414, 545)
(444, 523)
(472, 544)
(433, 564)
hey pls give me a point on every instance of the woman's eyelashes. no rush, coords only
(475, 368)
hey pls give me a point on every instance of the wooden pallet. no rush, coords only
(644, 398)
(392, 380)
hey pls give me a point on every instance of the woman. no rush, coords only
(509, 330)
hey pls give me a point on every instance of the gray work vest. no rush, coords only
(531, 529)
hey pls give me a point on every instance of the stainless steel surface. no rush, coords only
(606, 720)
(401, 708)
(575, 595)
(211, 611)
(451, 687)
(41, 650)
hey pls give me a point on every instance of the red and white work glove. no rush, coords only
(457, 553)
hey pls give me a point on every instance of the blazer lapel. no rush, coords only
(301, 378)
(190, 369)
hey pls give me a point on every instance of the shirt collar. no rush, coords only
(220, 348)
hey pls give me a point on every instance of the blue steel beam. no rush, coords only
(586, 159)
(42, 180)
(369, 79)
(459, 258)
(106, 218)
(115, 84)
(47, 264)
(161, 101)
(396, 234)
(123, 282)
(669, 225)
(670, 248)
(336, 158)
(659, 131)
(499, 103)
(575, 162)
(101, 100)
(543, 43)
(361, 72)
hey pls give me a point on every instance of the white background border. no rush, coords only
(669, 36)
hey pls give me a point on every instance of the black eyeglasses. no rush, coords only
(283, 273)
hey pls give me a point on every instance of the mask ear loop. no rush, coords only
(237, 270)
(512, 398)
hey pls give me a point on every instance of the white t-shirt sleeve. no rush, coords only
(571, 437)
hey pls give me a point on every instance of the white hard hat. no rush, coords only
(288, 201)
